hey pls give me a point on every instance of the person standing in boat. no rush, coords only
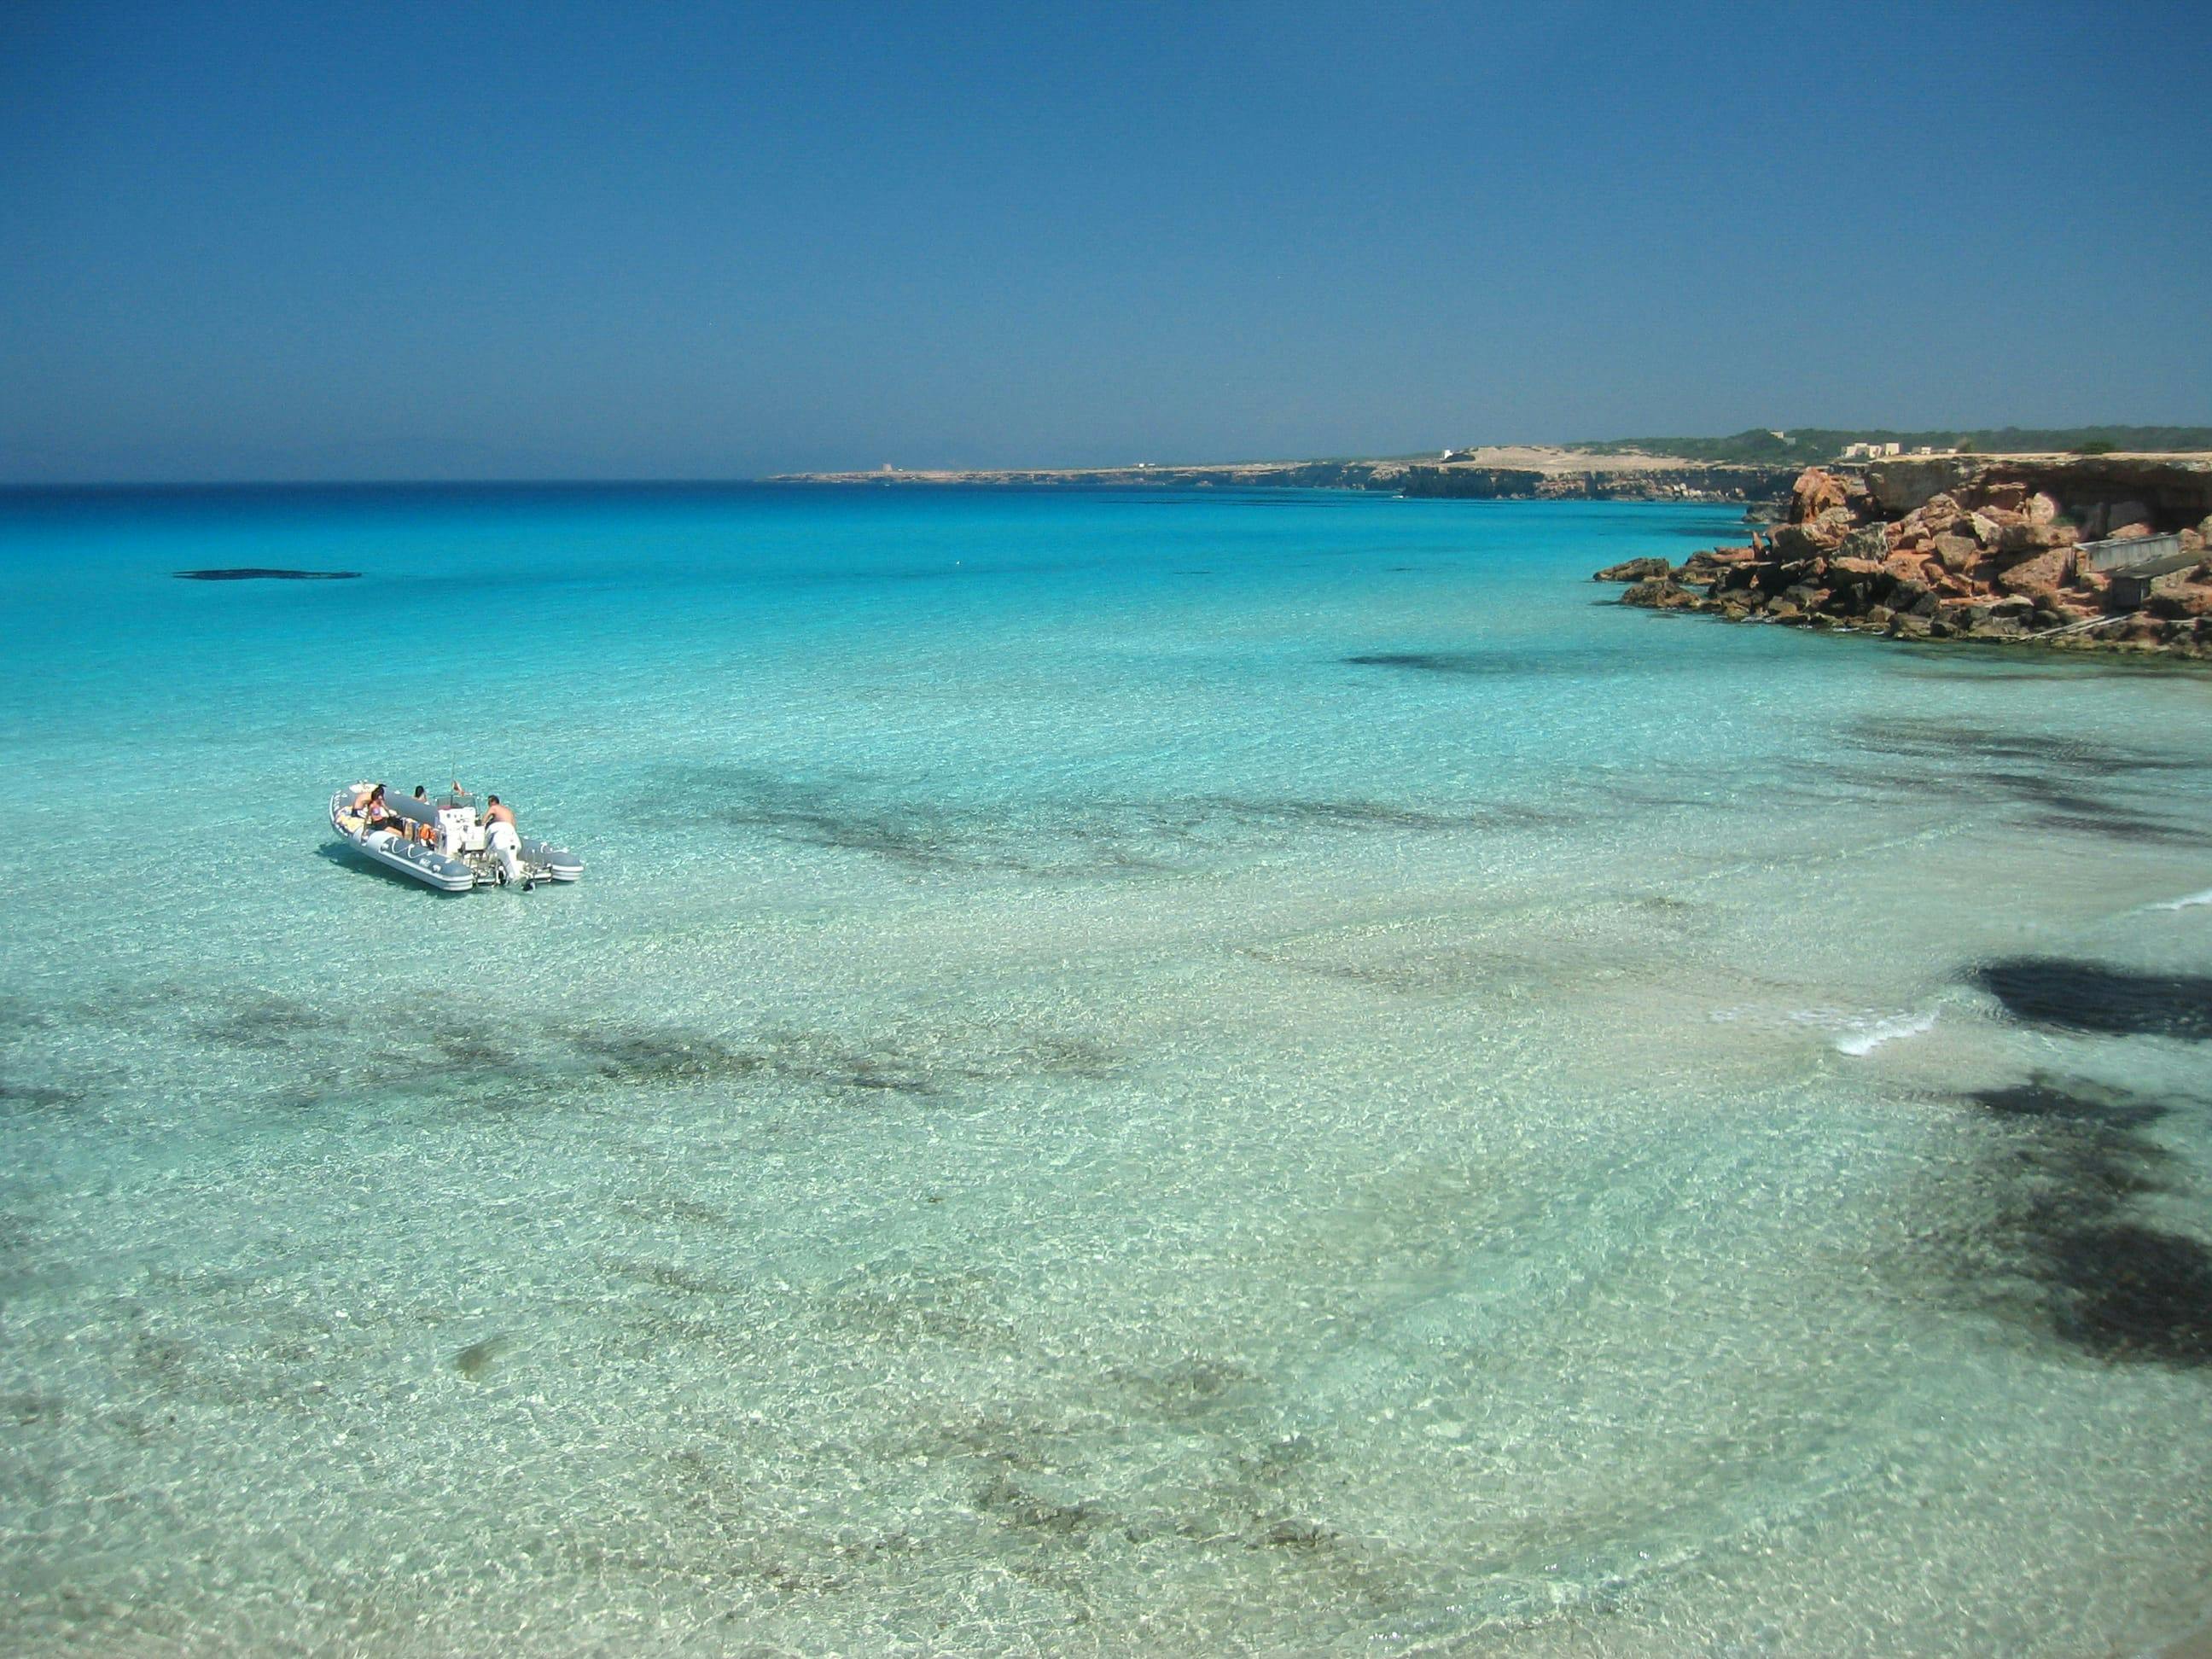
(502, 836)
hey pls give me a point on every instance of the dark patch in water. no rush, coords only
(17, 1018)
(2038, 1099)
(1054, 1054)
(473, 1051)
(167, 1362)
(1090, 839)
(819, 1061)
(2068, 995)
(36, 1097)
(995, 1440)
(263, 1023)
(1952, 671)
(2113, 1286)
(2122, 825)
(479, 1357)
(2068, 781)
(1271, 1464)
(2138, 1293)
(2063, 773)
(638, 1053)
(867, 1072)
(2043, 789)
(257, 574)
(1998, 668)
(1482, 664)
(670, 1206)
(1378, 815)
(1194, 1387)
(957, 1309)
(1001, 1497)
(25, 1410)
(816, 816)
(666, 1276)
(1299, 1534)
(2071, 806)
(2043, 752)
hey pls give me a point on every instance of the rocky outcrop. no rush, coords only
(1635, 570)
(1958, 547)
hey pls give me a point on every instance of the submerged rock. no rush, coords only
(1661, 594)
(479, 1357)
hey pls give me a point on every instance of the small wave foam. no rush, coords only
(1865, 1039)
(1856, 1032)
(2187, 901)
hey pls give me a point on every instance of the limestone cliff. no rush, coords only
(1598, 482)
(1564, 477)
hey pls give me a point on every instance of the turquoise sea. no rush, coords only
(1185, 1073)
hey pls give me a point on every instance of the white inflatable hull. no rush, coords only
(558, 862)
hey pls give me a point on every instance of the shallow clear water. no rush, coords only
(1204, 1073)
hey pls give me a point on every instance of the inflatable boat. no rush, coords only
(442, 843)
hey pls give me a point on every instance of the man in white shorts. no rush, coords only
(503, 837)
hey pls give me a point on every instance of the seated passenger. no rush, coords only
(375, 814)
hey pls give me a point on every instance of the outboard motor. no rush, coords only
(506, 846)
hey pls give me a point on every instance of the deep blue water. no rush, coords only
(1203, 1072)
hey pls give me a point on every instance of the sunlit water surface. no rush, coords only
(1200, 1074)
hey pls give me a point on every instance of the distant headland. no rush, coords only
(1758, 466)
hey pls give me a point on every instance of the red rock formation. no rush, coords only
(1961, 547)
(1814, 493)
(2040, 575)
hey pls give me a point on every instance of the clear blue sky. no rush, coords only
(297, 240)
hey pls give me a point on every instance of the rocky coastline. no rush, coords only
(1563, 477)
(1688, 481)
(1994, 549)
